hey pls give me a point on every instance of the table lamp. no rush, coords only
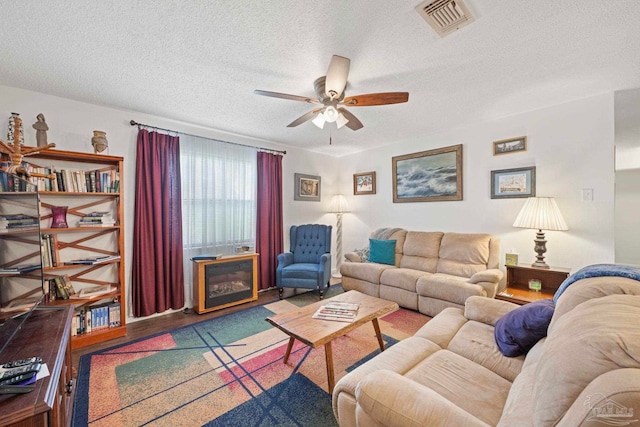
(540, 213)
(338, 206)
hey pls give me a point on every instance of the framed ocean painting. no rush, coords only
(428, 176)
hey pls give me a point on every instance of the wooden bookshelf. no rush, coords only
(89, 186)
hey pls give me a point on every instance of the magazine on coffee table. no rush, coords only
(337, 311)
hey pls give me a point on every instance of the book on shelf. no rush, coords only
(96, 219)
(20, 269)
(337, 311)
(95, 318)
(93, 260)
(204, 257)
(94, 292)
(64, 287)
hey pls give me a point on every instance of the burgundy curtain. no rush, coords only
(269, 231)
(157, 280)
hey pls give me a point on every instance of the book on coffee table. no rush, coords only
(337, 311)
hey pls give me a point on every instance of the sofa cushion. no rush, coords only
(475, 341)
(464, 383)
(402, 278)
(382, 251)
(463, 254)
(597, 336)
(369, 272)
(519, 330)
(420, 250)
(593, 287)
(449, 288)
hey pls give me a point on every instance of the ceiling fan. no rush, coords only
(330, 91)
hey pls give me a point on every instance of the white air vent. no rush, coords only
(445, 16)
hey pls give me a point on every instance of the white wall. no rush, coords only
(71, 126)
(627, 193)
(627, 224)
(571, 146)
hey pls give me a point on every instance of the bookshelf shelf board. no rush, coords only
(79, 229)
(78, 341)
(77, 193)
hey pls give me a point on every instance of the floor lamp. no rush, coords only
(540, 213)
(338, 206)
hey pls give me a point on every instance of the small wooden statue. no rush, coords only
(41, 128)
(16, 151)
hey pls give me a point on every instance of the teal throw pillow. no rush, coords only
(382, 251)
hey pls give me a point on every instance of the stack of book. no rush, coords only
(338, 311)
(17, 222)
(97, 219)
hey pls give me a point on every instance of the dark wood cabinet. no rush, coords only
(518, 277)
(45, 333)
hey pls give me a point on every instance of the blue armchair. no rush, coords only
(308, 263)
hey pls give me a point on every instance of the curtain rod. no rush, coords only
(269, 150)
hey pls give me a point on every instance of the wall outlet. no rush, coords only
(587, 194)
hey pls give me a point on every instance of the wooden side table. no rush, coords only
(518, 277)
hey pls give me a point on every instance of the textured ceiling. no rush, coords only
(199, 61)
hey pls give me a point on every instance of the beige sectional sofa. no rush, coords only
(432, 271)
(586, 371)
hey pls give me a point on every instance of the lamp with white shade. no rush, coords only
(540, 213)
(338, 206)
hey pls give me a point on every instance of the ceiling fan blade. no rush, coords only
(382, 98)
(304, 117)
(353, 123)
(336, 78)
(286, 96)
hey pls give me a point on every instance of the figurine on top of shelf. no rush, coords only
(41, 128)
(99, 141)
(16, 151)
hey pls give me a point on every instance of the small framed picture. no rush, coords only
(508, 146)
(511, 259)
(535, 285)
(513, 183)
(307, 188)
(364, 183)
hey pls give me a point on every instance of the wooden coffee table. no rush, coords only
(299, 324)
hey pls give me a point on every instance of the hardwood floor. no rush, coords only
(143, 328)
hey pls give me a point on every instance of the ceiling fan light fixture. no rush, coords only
(341, 120)
(330, 114)
(319, 120)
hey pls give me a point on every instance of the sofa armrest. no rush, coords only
(393, 400)
(487, 310)
(492, 275)
(285, 259)
(489, 280)
(352, 257)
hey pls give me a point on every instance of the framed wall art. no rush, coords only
(513, 183)
(508, 146)
(428, 176)
(364, 183)
(307, 188)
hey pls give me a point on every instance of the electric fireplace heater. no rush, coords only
(224, 282)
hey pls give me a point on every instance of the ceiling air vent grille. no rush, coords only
(445, 16)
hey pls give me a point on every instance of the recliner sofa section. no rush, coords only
(432, 270)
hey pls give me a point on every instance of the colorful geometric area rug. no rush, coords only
(226, 371)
